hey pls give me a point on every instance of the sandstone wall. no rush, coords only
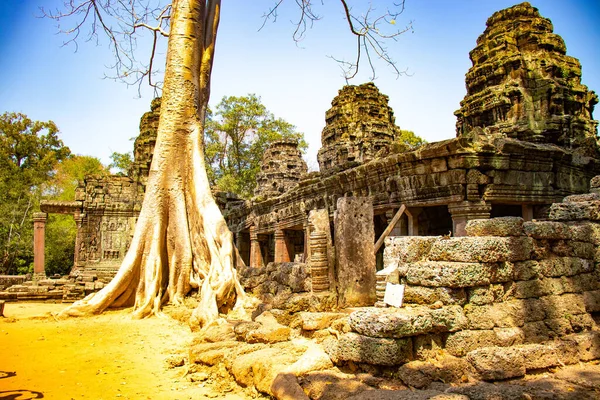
(511, 297)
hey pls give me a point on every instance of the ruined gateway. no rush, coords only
(496, 240)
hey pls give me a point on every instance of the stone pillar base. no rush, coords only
(465, 211)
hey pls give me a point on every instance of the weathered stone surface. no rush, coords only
(264, 329)
(460, 343)
(457, 274)
(482, 249)
(447, 369)
(425, 296)
(585, 210)
(591, 300)
(382, 394)
(391, 323)
(365, 349)
(355, 255)
(480, 295)
(504, 226)
(404, 322)
(497, 363)
(315, 321)
(587, 344)
(407, 249)
(281, 168)
(359, 127)
(516, 60)
(547, 230)
(427, 347)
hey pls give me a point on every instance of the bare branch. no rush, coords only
(121, 22)
(370, 35)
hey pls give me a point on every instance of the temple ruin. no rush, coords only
(493, 233)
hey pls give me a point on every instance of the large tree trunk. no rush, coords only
(181, 239)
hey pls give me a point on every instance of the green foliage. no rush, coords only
(121, 162)
(29, 152)
(236, 136)
(408, 141)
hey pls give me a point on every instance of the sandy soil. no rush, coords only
(102, 357)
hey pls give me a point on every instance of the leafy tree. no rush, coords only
(29, 152)
(121, 162)
(61, 230)
(236, 137)
(181, 240)
(407, 141)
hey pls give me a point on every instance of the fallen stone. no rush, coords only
(312, 321)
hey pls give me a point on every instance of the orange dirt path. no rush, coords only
(101, 357)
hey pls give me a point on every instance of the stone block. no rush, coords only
(533, 288)
(506, 337)
(391, 323)
(407, 249)
(526, 270)
(426, 347)
(458, 274)
(550, 230)
(586, 231)
(564, 266)
(497, 363)
(503, 226)
(482, 249)
(365, 349)
(316, 321)
(558, 327)
(480, 295)
(536, 332)
(448, 319)
(460, 343)
(584, 210)
(426, 296)
(573, 248)
(591, 300)
(562, 306)
(587, 344)
(355, 255)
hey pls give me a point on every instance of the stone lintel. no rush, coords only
(61, 207)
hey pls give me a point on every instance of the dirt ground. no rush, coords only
(102, 357)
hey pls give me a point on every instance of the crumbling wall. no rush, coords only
(511, 297)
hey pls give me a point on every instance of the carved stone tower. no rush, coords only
(360, 127)
(281, 168)
(522, 85)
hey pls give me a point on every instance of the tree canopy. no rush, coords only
(236, 136)
(29, 153)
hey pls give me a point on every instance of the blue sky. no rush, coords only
(296, 82)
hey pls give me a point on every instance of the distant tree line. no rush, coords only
(35, 165)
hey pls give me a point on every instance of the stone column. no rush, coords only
(319, 265)
(78, 217)
(256, 259)
(527, 211)
(282, 252)
(413, 220)
(355, 252)
(465, 211)
(39, 232)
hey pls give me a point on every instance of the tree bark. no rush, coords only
(181, 240)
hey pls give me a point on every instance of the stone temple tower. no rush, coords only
(281, 168)
(522, 85)
(360, 127)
